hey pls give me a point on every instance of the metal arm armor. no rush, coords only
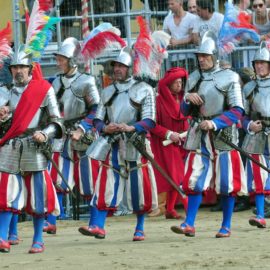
(55, 128)
(143, 94)
(193, 79)
(228, 82)
(4, 95)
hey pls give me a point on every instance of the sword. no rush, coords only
(47, 153)
(223, 137)
(139, 145)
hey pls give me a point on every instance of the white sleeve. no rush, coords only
(165, 25)
(196, 25)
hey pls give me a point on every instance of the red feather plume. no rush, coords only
(143, 44)
(5, 39)
(96, 45)
(45, 5)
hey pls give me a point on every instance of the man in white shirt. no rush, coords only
(208, 19)
(179, 24)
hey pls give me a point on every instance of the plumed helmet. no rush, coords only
(21, 58)
(124, 57)
(209, 45)
(70, 49)
(262, 54)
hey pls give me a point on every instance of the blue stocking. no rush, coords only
(51, 219)
(259, 200)
(101, 218)
(194, 201)
(93, 216)
(5, 219)
(60, 201)
(140, 225)
(38, 228)
(227, 203)
(13, 231)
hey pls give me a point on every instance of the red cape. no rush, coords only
(27, 107)
(169, 117)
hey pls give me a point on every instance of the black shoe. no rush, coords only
(241, 206)
(216, 208)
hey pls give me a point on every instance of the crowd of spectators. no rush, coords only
(186, 30)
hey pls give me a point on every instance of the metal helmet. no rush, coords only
(124, 57)
(70, 49)
(262, 54)
(209, 45)
(21, 58)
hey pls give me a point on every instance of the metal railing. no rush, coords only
(70, 25)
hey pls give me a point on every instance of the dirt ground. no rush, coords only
(247, 248)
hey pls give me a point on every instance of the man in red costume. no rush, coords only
(24, 179)
(170, 123)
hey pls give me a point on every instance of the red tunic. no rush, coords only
(171, 157)
(169, 118)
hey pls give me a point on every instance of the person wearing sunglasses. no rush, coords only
(261, 18)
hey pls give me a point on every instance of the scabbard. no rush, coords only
(241, 151)
(48, 156)
(138, 144)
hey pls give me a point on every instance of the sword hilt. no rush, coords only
(137, 140)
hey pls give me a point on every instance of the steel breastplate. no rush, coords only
(72, 102)
(80, 92)
(213, 98)
(120, 108)
(261, 98)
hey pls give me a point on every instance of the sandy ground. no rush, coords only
(247, 248)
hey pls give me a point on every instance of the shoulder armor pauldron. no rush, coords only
(249, 88)
(139, 91)
(56, 84)
(4, 95)
(192, 81)
(82, 81)
(107, 93)
(224, 78)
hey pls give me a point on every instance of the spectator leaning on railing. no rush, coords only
(179, 24)
(261, 18)
(208, 19)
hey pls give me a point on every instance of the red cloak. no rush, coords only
(169, 118)
(27, 107)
